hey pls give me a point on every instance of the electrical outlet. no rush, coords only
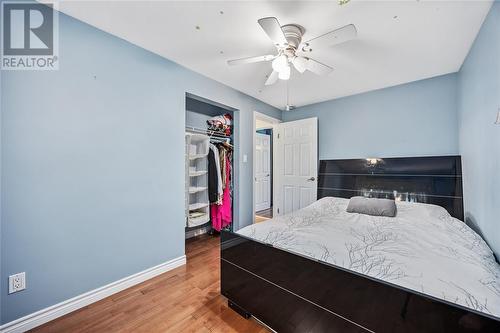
(17, 282)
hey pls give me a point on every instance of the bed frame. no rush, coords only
(434, 180)
(292, 293)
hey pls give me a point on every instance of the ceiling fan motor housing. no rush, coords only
(293, 34)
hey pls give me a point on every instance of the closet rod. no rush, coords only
(206, 132)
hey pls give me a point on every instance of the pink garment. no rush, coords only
(222, 214)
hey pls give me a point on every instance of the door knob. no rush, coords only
(311, 179)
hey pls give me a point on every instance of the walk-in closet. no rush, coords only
(210, 172)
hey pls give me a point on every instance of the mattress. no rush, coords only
(423, 248)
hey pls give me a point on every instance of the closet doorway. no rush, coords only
(263, 166)
(210, 168)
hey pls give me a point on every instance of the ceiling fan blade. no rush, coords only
(272, 78)
(250, 60)
(272, 28)
(318, 68)
(334, 37)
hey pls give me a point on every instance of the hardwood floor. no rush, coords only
(260, 219)
(266, 213)
(186, 299)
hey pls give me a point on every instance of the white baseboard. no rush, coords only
(45, 315)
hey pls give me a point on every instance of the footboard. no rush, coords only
(292, 293)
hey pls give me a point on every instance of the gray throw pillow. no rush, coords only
(372, 206)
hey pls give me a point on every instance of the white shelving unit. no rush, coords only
(197, 203)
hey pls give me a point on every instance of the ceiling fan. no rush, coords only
(291, 49)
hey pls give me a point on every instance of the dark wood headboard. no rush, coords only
(435, 180)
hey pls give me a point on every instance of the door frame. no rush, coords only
(274, 121)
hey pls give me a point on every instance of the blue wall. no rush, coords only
(115, 111)
(479, 99)
(413, 119)
(196, 119)
(92, 166)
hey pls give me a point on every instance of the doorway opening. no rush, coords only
(209, 166)
(263, 166)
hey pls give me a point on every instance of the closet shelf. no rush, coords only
(197, 214)
(197, 156)
(197, 137)
(196, 182)
(199, 220)
(198, 205)
(197, 173)
(196, 189)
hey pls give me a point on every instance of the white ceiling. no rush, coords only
(398, 41)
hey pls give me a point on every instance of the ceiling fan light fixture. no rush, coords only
(280, 63)
(300, 64)
(284, 74)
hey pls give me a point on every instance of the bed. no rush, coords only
(321, 269)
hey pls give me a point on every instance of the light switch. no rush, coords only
(245, 158)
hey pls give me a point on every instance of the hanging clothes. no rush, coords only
(212, 177)
(215, 191)
(221, 215)
(222, 156)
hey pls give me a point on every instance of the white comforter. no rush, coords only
(423, 248)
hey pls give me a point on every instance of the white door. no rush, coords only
(295, 175)
(262, 171)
